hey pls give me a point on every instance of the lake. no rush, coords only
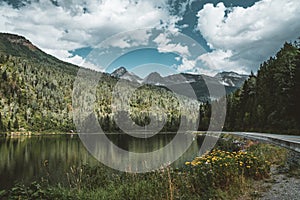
(25, 158)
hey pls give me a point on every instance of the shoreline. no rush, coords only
(31, 133)
(45, 133)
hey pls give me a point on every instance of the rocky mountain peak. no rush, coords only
(118, 73)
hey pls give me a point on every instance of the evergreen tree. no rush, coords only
(270, 100)
(2, 127)
(16, 124)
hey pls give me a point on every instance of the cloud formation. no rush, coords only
(242, 38)
(165, 45)
(68, 25)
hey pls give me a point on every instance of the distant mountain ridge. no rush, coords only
(231, 81)
(232, 78)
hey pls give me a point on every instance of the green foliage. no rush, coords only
(36, 94)
(205, 115)
(269, 101)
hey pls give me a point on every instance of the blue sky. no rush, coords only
(232, 35)
(141, 57)
(190, 19)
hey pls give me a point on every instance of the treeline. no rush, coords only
(270, 100)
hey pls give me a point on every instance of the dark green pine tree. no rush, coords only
(9, 126)
(294, 108)
(16, 124)
(2, 127)
(4, 76)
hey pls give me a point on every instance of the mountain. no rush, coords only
(35, 87)
(118, 73)
(19, 46)
(124, 74)
(199, 83)
(232, 79)
(154, 79)
(36, 91)
(228, 79)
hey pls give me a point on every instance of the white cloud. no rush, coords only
(60, 54)
(136, 38)
(90, 65)
(207, 72)
(165, 45)
(219, 60)
(75, 24)
(186, 65)
(76, 60)
(247, 36)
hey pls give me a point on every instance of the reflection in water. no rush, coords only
(29, 158)
(141, 154)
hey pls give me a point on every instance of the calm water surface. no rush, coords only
(25, 159)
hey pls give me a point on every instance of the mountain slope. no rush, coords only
(36, 93)
(35, 87)
(19, 46)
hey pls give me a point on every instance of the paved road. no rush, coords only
(288, 141)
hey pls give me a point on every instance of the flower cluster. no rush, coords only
(226, 166)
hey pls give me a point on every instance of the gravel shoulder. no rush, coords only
(284, 183)
(282, 187)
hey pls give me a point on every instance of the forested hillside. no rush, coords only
(36, 93)
(270, 100)
(35, 88)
